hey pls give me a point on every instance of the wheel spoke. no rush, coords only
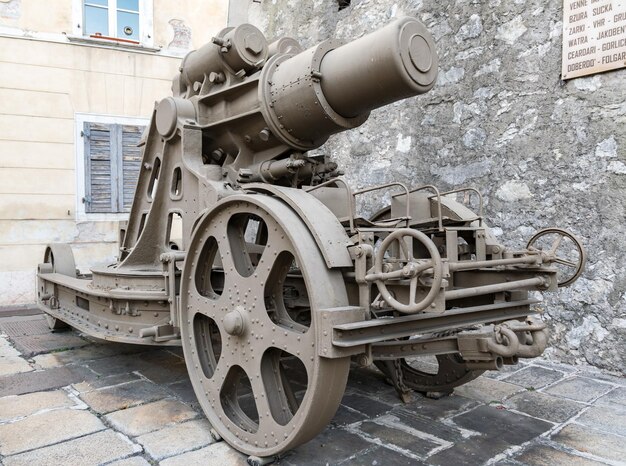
(566, 262)
(556, 244)
(413, 289)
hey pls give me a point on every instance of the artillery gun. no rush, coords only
(273, 283)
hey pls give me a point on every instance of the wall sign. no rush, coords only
(594, 37)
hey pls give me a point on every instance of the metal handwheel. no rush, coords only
(549, 241)
(413, 270)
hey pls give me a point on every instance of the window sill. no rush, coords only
(111, 43)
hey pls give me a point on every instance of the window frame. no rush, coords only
(79, 143)
(146, 9)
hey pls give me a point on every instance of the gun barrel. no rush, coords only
(333, 86)
(393, 63)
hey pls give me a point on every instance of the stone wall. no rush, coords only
(543, 152)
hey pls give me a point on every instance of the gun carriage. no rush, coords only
(248, 251)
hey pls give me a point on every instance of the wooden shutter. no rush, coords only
(112, 164)
(131, 164)
(100, 168)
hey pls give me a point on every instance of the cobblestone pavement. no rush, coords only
(67, 400)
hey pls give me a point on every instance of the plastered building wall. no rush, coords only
(45, 82)
(542, 151)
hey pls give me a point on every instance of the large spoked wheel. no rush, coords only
(61, 260)
(252, 283)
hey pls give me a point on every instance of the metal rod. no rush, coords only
(375, 330)
(468, 265)
(496, 288)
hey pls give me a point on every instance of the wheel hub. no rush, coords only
(234, 322)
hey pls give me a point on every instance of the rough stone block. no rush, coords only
(422, 426)
(177, 439)
(588, 440)
(507, 426)
(184, 391)
(75, 356)
(579, 389)
(397, 437)
(106, 400)
(487, 390)
(13, 407)
(332, 446)
(46, 428)
(93, 449)
(544, 406)
(544, 455)
(218, 454)
(32, 345)
(160, 366)
(534, 377)
(606, 418)
(147, 418)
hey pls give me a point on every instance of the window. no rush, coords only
(112, 162)
(128, 21)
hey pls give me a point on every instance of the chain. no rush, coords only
(398, 382)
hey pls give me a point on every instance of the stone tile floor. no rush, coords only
(68, 400)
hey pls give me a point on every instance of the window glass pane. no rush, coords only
(128, 5)
(128, 25)
(96, 20)
(97, 2)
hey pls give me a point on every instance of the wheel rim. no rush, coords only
(249, 333)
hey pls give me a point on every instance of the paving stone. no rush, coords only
(543, 455)
(471, 451)
(217, 454)
(12, 407)
(177, 439)
(184, 391)
(104, 382)
(365, 404)
(94, 449)
(544, 406)
(132, 461)
(150, 417)
(616, 396)
(588, 440)
(345, 416)
(502, 424)
(106, 400)
(607, 418)
(534, 377)
(332, 446)
(441, 408)
(37, 381)
(579, 388)
(394, 436)
(159, 366)
(46, 428)
(437, 431)
(487, 390)
(75, 356)
(10, 360)
(381, 456)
